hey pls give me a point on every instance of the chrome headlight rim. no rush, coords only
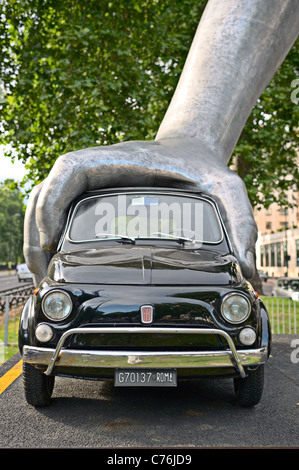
(235, 294)
(55, 291)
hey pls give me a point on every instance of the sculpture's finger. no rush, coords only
(230, 193)
(127, 164)
(36, 258)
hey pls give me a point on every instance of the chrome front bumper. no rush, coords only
(135, 359)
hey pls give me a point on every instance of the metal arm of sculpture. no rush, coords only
(236, 51)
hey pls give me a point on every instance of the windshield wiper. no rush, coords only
(176, 238)
(116, 236)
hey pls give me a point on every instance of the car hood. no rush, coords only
(133, 265)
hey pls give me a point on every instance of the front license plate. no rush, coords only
(145, 378)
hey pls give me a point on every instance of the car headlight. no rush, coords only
(247, 336)
(57, 305)
(44, 333)
(235, 308)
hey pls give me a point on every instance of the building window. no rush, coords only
(272, 248)
(268, 225)
(285, 253)
(262, 255)
(267, 255)
(278, 254)
(297, 251)
(283, 210)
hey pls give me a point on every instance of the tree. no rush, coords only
(11, 223)
(89, 73)
(266, 155)
(80, 74)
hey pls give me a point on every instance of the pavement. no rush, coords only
(7, 273)
(195, 415)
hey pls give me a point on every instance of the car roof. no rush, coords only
(192, 190)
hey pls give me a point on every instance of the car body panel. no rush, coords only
(286, 287)
(183, 284)
(23, 273)
(140, 265)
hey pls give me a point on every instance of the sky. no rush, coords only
(15, 170)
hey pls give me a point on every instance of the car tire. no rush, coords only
(38, 387)
(248, 391)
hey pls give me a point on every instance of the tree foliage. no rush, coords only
(80, 74)
(267, 151)
(89, 73)
(11, 223)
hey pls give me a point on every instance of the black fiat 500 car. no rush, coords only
(144, 290)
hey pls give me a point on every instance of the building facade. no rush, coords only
(277, 248)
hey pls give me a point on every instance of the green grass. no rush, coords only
(12, 347)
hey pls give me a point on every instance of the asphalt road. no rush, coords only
(10, 281)
(95, 415)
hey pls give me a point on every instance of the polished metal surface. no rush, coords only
(141, 330)
(236, 51)
(136, 359)
(133, 359)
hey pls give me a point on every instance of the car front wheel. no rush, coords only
(38, 387)
(248, 391)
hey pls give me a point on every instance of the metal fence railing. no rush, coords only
(10, 313)
(284, 315)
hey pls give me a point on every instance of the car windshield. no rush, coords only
(23, 268)
(132, 216)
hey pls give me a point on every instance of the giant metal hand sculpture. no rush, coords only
(238, 47)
